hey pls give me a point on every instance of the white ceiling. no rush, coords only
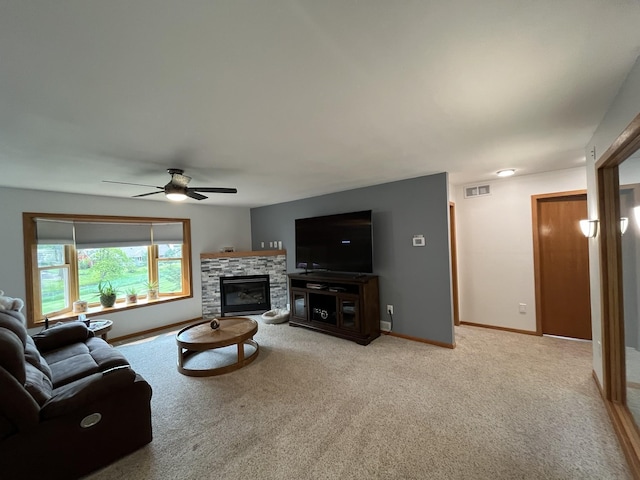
(288, 99)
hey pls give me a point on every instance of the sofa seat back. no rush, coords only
(78, 360)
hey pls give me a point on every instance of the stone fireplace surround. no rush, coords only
(231, 264)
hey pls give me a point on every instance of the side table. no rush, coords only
(100, 327)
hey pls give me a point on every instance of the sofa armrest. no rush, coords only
(61, 335)
(83, 392)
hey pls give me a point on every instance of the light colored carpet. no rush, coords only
(499, 406)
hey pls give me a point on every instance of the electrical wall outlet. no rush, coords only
(522, 308)
(390, 309)
(385, 326)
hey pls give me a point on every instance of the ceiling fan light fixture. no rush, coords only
(177, 190)
(175, 193)
(176, 197)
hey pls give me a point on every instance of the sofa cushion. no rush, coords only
(104, 355)
(60, 354)
(79, 359)
(107, 359)
(86, 390)
(61, 335)
(12, 355)
(32, 356)
(72, 368)
(97, 342)
(38, 384)
(6, 427)
(14, 321)
(16, 404)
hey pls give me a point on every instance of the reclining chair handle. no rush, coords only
(91, 420)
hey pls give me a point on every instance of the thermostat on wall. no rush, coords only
(418, 241)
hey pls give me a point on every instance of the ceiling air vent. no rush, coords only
(477, 191)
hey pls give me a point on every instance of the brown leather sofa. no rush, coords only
(69, 402)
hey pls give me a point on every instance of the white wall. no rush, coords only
(495, 248)
(212, 227)
(622, 111)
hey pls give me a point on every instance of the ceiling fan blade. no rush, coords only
(127, 183)
(147, 194)
(190, 193)
(214, 189)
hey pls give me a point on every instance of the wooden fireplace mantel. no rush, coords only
(254, 253)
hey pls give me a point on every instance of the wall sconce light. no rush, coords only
(624, 223)
(636, 215)
(589, 228)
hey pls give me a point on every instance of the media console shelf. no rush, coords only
(346, 306)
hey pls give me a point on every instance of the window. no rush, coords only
(53, 273)
(169, 268)
(125, 268)
(67, 256)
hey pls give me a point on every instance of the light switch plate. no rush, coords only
(419, 241)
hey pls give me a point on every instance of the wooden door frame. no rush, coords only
(454, 263)
(613, 354)
(535, 202)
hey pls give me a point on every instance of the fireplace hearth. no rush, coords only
(248, 294)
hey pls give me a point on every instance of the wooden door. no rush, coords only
(562, 266)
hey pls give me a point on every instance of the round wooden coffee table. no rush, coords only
(200, 337)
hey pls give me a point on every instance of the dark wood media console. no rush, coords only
(346, 306)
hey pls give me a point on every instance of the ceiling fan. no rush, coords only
(177, 189)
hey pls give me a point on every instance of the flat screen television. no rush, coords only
(336, 243)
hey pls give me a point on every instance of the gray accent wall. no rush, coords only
(415, 280)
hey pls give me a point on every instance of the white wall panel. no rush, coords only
(495, 248)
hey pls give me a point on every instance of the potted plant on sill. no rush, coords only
(107, 294)
(132, 295)
(152, 290)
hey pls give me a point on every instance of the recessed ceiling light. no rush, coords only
(506, 173)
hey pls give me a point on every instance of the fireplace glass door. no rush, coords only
(245, 294)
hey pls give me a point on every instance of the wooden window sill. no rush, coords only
(120, 306)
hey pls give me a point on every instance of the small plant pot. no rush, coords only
(132, 298)
(152, 294)
(107, 300)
